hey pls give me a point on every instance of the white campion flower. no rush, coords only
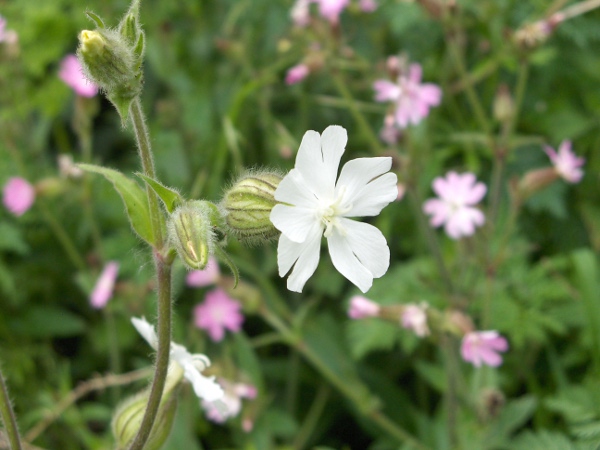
(313, 204)
(206, 388)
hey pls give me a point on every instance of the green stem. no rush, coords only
(8, 417)
(163, 272)
(357, 114)
(63, 238)
(145, 153)
(378, 417)
(312, 417)
(163, 277)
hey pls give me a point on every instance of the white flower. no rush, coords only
(315, 205)
(192, 364)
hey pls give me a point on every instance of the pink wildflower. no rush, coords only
(329, 9)
(454, 208)
(361, 308)
(232, 400)
(105, 285)
(296, 74)
(412, 98)
(72, 74)
(389, 134)
(18, 195)
(565, 162)
(209, 275)
(482, 347)
(217, 313)
(414, 317)
(8, 36)
(367, 5)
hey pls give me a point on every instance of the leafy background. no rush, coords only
(217, 104)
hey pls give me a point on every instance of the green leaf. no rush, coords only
(169, 196)
(47, 321)
(133, 197)
(95, 18)
(11, 239)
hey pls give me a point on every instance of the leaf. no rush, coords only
(366, 336)
(134, 198)
(47, 321)
(11, 239)
(169, 196)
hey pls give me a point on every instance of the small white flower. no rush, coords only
(314, 204)
(192, 364)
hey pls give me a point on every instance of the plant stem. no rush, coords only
(356, 114)
(8, 417)
(145, 153)
(163, 277)
(163, 272)
(312, 417)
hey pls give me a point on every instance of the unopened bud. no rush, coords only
(536, 180)
(190, 232)
(504, 106)
(247, 207)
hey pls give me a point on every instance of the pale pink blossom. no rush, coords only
(328, 9)
(103, 290)
(361, 308)
(414, 317)
(218, 313)
(296, 74)
(18, 195)
(72, 74)
(483, 347)
(367, 5)
(411, 97)
(234, 393)
(454, 207)
(209, 275)
(565, 162)
(8, 36)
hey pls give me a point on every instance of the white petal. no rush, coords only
(205, 388)
(319, 158)
(295, 190)
(367, 185)
(146, 330)
(295, 222)
(361, 254)
(305, 256)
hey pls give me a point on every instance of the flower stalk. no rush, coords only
(8, 417)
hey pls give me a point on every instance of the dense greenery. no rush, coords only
(218, 105)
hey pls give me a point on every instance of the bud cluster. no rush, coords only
(112, 58)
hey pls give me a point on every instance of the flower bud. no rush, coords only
(536, 180)
(128, 418)
(247, 206)
(504, 107)
(190, 232)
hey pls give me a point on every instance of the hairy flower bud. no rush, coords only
(128, 416)
(535, 181)
(190, 232)
(247, 207)
(112, 59)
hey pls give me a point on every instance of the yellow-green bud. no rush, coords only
(190, 232)
(247, 207)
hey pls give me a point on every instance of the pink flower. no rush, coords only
(367, 5)
(105, 285)
(458, 193)
(329, 9)
(414, 317)
(72, 74)
(18, 195)
(217, 313)
(296, 74)
(483, 347)
(412, 98)
(200, 278)
(8, 36)
(361, 308)
(232, 400)
(565, 162)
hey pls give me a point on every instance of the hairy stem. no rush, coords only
(8, 417)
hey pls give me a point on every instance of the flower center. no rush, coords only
(330, 212)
